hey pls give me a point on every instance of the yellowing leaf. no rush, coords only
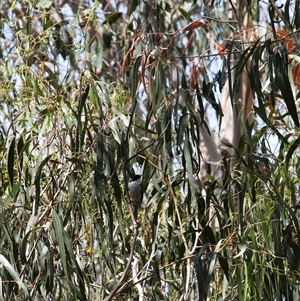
(88, 250)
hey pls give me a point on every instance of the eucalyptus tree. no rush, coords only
(201, 99)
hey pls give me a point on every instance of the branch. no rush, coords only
(133, 218)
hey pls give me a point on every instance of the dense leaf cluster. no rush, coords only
(93, 92)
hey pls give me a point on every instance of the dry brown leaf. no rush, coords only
(193, 25)
(296, 74)
(289, 44)
(221, 50)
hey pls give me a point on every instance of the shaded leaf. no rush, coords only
(6, 264)
(112, 18)
(37, 182)
(107, 38)
(58, 228)
(11, 160)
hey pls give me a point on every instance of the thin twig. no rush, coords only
(133, 218)
(187, 252)
(149, 145)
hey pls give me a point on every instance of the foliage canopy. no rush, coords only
(93, 92)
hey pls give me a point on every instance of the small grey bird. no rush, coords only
(136, 192)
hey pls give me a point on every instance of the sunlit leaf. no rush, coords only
(243, 248)
(43, 3)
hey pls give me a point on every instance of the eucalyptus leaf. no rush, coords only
(6, 265)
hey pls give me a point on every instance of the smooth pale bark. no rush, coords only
(236, 111)
(210, 155)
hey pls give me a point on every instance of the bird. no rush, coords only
(136, 192)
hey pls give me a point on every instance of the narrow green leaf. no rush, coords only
(107, 38)
(210, 264)
(112, 18)
(292, 149)
(50, 271)
(11, 161)
(204, 269)
(133, 6)
(6, 264)
(24, 243)
(255, 82)
(43, 4)
(29, 82)
(20, 150)
(37, 182)
(58, 228)
(159, 94)
(286, 90)
(189, 167)
(209, 235)
(134, 77)
(243, 248)
(80, 290)
(167, 130)
(282, 81)
(224, 265)
(184, 14)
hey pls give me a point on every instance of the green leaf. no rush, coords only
(58, 229)
(243, 248)
(133, 6)
(159, 93)
(291, 150)
(112, 18)
(37, 183)
(6, 264)
(224, 265)
(167, 130)
(107, 38)
(286, 90)
(280, 60)
(189, 167)
(204, 270)
(96, 51)
(79, 290)
(134, 77)
(43, 4)
(11, 160)
(20, 150)
(185, 14)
